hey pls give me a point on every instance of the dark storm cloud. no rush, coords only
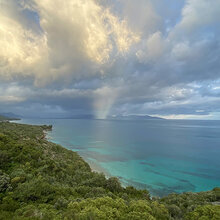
(146, 58)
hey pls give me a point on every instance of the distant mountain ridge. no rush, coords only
(117, 117)
(9, 116)
(89, 116)
(134, 117)
(82, 116)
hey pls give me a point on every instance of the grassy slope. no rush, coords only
(42, 180)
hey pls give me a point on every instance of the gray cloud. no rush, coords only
(110, 57)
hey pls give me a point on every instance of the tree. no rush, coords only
(4, 182)
(113, 184)
(207, 212)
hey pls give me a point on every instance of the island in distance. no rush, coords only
(133, 117)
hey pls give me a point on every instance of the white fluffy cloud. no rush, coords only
(197, 14)
(21, 50)
(77, 37)
(152, 49)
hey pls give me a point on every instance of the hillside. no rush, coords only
(42, 180)
(5, 117)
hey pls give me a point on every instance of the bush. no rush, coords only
(4, 182)
(205, 212)
(113, 184)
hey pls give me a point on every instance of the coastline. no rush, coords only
(94, 166)
(44, 179)
(176, 183)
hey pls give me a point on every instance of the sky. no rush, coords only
(60, 58)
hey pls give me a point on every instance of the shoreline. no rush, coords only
(95, 167)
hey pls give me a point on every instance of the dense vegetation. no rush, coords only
(42, 180)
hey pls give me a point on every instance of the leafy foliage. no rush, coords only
(205, 212)
(42, 180)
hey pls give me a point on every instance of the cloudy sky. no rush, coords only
(109, 57)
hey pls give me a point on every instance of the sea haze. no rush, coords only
(163, 156)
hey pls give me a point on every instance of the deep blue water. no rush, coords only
(162, 156)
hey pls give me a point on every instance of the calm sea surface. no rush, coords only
(162, 156)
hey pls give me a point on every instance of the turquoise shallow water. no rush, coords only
(162, 156)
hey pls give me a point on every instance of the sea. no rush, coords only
(162, 156)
